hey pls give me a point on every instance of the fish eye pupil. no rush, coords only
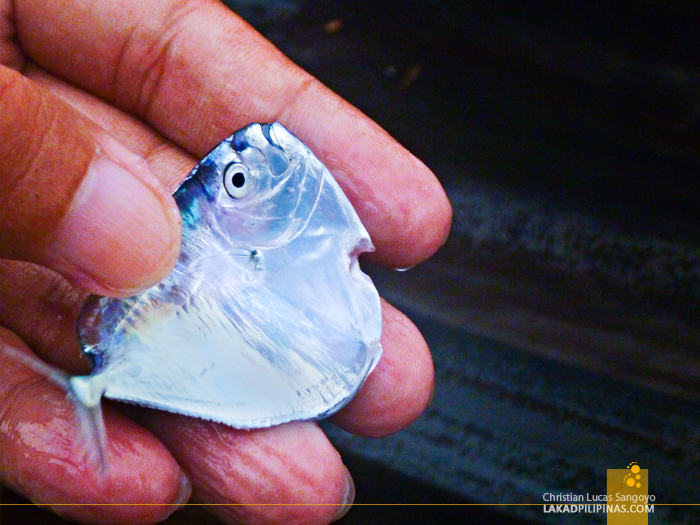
(238, 179)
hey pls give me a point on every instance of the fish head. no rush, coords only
(256, 188)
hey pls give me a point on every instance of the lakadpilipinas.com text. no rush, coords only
(598, 503)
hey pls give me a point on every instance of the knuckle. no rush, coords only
(20, 133)
(45, 148)
(306, 88)
(148, 57)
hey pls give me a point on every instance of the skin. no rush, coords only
(104, 107)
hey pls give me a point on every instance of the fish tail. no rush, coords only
(82, 392)
(31, 361)
(86, 394)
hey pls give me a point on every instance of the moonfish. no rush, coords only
(266, 317)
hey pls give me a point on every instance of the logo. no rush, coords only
(633, 478)
(630, 490)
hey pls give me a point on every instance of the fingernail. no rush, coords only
(348, 498)
(121, 233)
(184, 493)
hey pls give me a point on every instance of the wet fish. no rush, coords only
(266, 318)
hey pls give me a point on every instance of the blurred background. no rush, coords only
(563, 311)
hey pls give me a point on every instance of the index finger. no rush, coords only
(196, 72)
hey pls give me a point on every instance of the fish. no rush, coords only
(266, 317)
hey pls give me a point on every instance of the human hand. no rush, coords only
(105, 106)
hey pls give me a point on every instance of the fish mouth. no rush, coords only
(277, 158)
(265, 129)
(364, 245)
(263, 138)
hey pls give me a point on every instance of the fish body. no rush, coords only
(266, 317)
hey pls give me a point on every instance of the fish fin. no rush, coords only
(33, 362)
(88, 413)
(86, 394)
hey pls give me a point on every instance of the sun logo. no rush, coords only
(633, 477)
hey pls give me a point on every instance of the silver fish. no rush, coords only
(266, 318)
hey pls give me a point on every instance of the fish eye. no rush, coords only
(236, 180)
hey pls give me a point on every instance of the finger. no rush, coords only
(196, 72)
(40, 454)
(285, 474)
(76, 200)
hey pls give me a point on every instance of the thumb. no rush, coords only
(76, 200)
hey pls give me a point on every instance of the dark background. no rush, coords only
(563, 311)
